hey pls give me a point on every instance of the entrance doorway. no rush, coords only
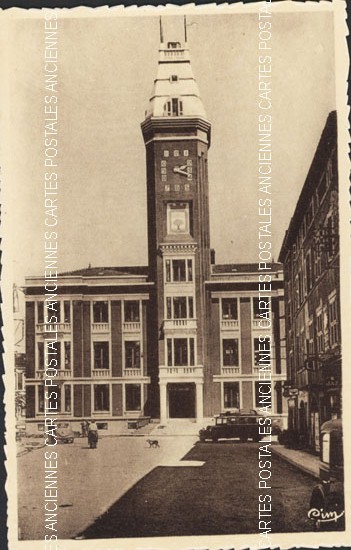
(181, 400)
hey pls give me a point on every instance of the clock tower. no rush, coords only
(176, 133)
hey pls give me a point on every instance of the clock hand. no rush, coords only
(180, 170)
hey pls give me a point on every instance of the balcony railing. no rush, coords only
(48, 327)
(62, 373)
(228, 371)
(229, 324)
(132, 373)
(173, 54)
(100, 328)
(131, 326)
(100, 373)
(174, 324)
(261, 324)
(181, 370)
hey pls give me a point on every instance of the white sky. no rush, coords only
(107, 68)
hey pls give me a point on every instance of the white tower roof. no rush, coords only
(175, 80)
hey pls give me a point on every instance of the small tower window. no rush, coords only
(173, 45)
(173, 107)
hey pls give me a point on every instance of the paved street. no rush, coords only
(90, 480)
(220, 497)
(125, 489)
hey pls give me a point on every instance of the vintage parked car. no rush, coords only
(242, 424)
(327, 499)
(64, 433)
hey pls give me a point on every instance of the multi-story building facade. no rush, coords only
(310, 254)
(179, 338)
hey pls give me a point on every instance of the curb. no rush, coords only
(293, 462)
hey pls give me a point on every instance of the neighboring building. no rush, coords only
(310, 254)
(20, 391)
(19, 356)
(177, 339)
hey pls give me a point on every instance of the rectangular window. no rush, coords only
(190, 270)
(132, 311)
(169, 352)
(169, 308)
(192, 351)
(168, 271)
(317, 264)
(230, 349)
(68, 398)
(231, 395)
(54, 352)
(256, 308)
(301, 287)
(333, 325)
(179, 271)
(179, 307)
(133, 397)
(67, 355)
(309, 281)
(100, 312)
(180, 352)
(40, 312)
(101, 355)
(191, 307)
(263, 395)
(101, 397)
(20, 380)
(229, 308)
(40, 355)
(262, 350)
(132, 354)
(320, 336)
(41, 398)
(67, 311)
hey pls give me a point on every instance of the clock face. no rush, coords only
(176, 170)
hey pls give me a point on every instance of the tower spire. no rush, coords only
(161, 31)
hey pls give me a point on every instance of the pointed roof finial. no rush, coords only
(161, 31)
(185, 34)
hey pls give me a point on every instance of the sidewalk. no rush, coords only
(301, 459)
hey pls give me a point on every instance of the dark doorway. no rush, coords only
(181, 399)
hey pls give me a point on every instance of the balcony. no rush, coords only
(100, 328)
(62, 373)
(183, 373)
(100, 373)
(131, 373)
(229, 371)
(52, 328)
(177, 324)
(229, 324)
(131, 326)
(261, 324)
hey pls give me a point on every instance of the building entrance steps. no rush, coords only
(303, 460)
(180, 426)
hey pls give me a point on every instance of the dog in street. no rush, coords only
(153, 443)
